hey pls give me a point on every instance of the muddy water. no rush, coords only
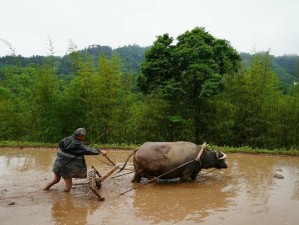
(245, 193)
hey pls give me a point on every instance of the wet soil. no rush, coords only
(255, 189)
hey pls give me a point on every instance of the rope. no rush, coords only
(128, 160)
(208, 172)
(105, 162)
(113, 164)
(122, 174)
(157, 177)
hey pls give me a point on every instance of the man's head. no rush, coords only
(80, 134)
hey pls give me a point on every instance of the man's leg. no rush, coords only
(54, 181)
(68, 184)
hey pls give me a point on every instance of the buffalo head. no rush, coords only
(220, 162)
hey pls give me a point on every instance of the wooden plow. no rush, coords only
(95, 180)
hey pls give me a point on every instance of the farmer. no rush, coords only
(70, 162)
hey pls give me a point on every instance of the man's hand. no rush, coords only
(104, 152)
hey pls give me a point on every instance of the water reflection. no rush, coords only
(246, 192)
(251, 175)
(248, 186)
(173, 202)
(65, 211)
(295, 195)
(24, 160)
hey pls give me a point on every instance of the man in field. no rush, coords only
(70, 162)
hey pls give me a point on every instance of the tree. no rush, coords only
(104, 98)
(147, 120)
(192, 69)
(45, 103)
(158, 67)
(14, 116)
(75, 107)
(256, 96)
(16, 104)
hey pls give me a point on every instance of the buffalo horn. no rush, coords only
(223, 157)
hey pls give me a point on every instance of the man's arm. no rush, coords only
(82, 149)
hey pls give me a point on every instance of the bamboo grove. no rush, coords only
(195, 90)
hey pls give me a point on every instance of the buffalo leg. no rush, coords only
(194, 175)
(196, 169)
(190, 171)
(185, 176)
(136, 178)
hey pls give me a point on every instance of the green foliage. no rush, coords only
(250, 150)
(131, 57)
(44, 103)
(187, 74)
(258, 90)
(147, 120)
(158, 67)
(192, 90)
(259, 114)
(104, 98)
(284, 66)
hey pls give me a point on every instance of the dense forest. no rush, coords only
(197, 88)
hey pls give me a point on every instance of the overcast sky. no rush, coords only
(249, 25)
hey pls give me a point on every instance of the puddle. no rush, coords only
(247, 192)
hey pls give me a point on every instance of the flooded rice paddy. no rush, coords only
(255, 189)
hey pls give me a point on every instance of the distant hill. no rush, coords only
(286, 66)
(133, 55)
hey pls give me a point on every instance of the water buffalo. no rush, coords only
(153, 159)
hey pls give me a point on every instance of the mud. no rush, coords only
(255, 189)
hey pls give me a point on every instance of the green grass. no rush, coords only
(250, 150)
(226, 149)
(26, 144)
(53, 145)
